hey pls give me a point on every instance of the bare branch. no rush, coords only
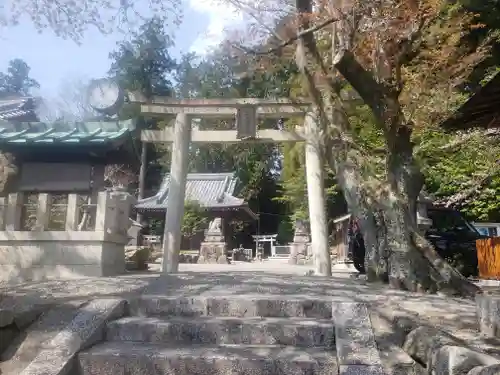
(253, 13)
(467, 137)
(289, 41)
(119, 175)
(71, 19)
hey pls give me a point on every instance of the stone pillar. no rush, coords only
(123, 203)
(176, 193)
(423, 221)
(343, 258)
(214, 248)
(342, 228)
(43, 211)
(105, 212)
(315, 165)
(300, 248)
(72, 214)
(14, 210)
(3, 212)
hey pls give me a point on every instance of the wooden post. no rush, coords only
(316, 197)
(176, 193)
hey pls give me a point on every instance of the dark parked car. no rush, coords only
(453, 237)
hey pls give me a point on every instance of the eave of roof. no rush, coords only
(84, 133)
(16, 107)
(481, 110)
(212, 191)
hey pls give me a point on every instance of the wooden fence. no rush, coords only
(488, 258)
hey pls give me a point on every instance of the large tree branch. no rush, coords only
(289, 41)
(372, 92)
(253, 13)
(406, 47)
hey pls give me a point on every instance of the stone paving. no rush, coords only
(274, 278)
(261, 297)
(248, 279)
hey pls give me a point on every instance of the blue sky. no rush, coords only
(54, 60)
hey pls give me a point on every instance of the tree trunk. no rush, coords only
(376, 260)
(413, 264)
(395, 250)
(373, 232)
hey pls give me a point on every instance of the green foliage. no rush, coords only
(470, 166)
(285, 230)
(194, 219)
(293, 178)
(17, 80)
(449, 170)
(143, 63)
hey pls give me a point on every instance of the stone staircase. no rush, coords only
(235, 335)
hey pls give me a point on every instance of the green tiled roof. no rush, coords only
(96, 132)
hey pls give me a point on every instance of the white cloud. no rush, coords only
(221, 16)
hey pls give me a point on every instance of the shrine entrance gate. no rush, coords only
(247, 111)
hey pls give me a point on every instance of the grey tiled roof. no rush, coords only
(16, 107)
(210, 190)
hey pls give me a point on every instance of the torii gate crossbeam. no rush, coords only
(182, 134)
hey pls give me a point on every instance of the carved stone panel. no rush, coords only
(213, 253)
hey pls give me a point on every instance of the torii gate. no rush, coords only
(246, 111)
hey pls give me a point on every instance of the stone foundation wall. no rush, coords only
(58, 255)
(42, 253)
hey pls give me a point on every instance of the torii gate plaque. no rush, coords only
(246, 111)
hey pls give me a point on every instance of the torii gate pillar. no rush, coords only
(315, 165)
(176, 193)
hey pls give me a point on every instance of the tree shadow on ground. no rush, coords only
(401, 310)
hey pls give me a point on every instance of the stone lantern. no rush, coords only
(300, 248)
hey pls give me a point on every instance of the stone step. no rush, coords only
(303, 332)
(121, 358)
(21, 351)
(267, 306)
